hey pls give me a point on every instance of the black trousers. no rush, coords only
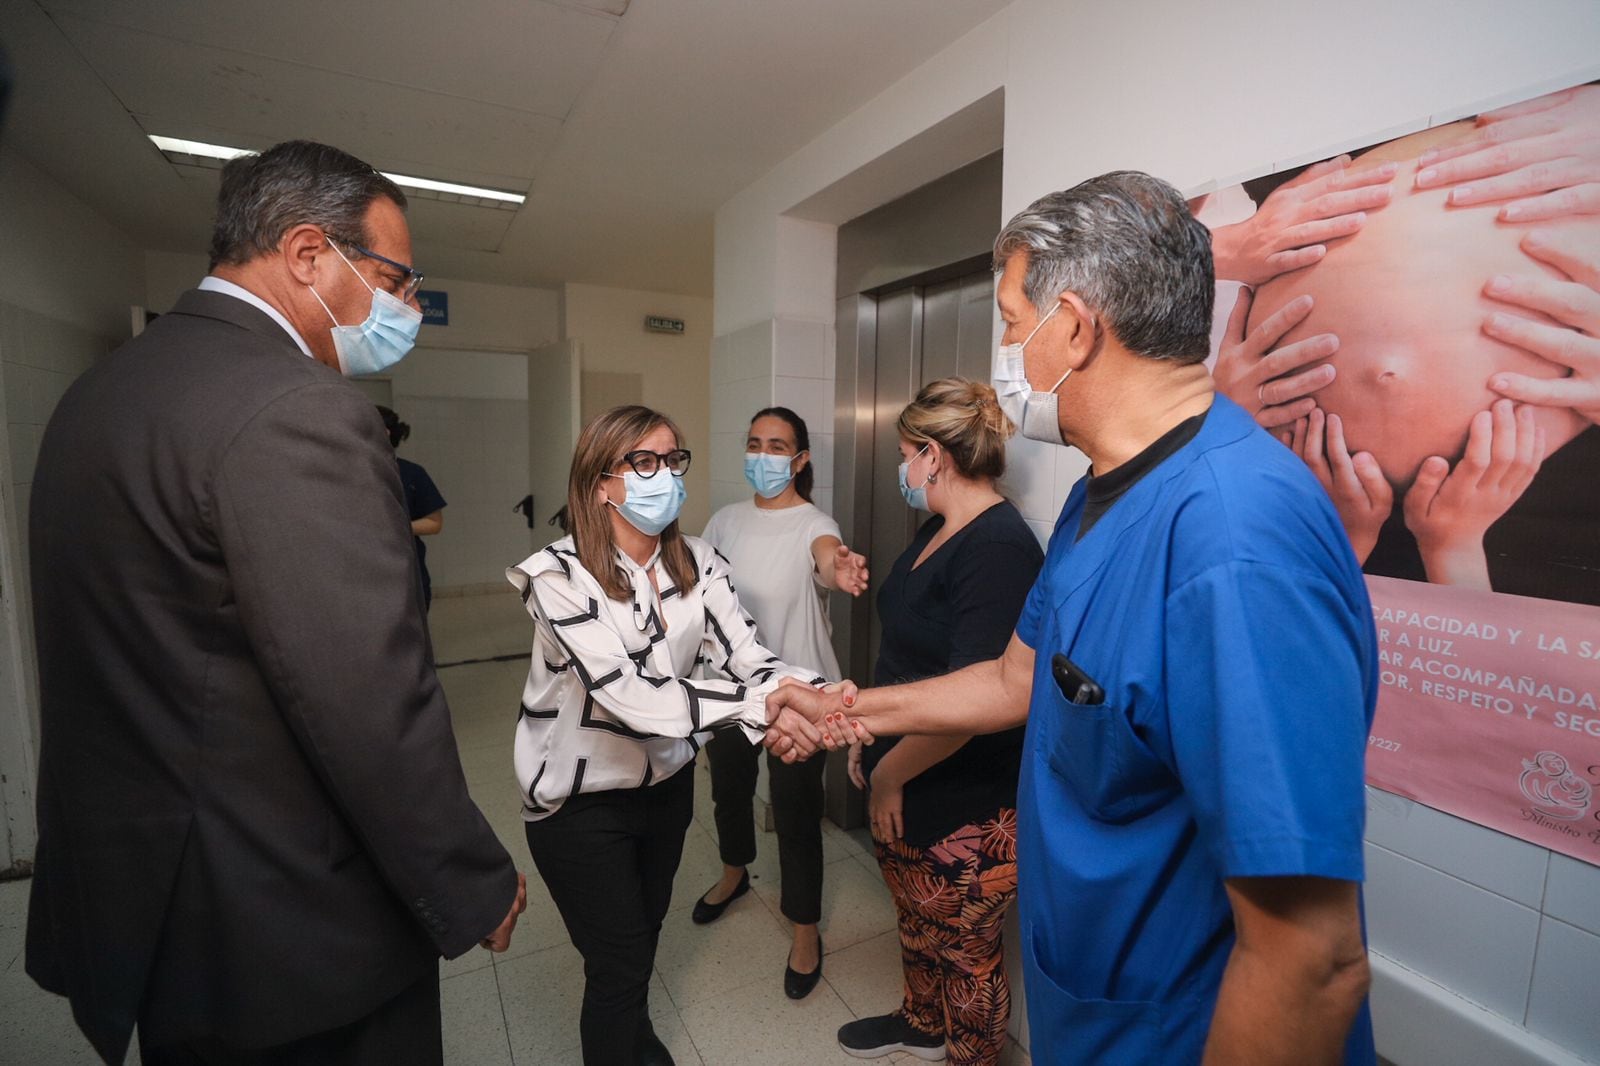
(404, 1031)
(796, 813)
(608, 859)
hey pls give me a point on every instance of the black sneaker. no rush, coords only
(870, 1038)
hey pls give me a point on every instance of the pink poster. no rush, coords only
(1419, 321)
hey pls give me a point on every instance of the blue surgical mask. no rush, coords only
(385, 338)
(652, 503)
(769, 475)
(1033, 413)
(916, 497)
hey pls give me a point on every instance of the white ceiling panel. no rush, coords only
(171, 87)
(436, 224)
(528, 55)
(627, 132)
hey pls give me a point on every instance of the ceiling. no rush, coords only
(626, 123)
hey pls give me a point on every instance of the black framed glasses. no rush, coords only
(647, 463)
(410, 277)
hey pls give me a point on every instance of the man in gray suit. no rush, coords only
(255, 838)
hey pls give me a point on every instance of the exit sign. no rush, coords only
(658, 324)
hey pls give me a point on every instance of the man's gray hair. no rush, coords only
(264, 196)
(1127, 244)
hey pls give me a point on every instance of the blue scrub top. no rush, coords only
(1221, 609)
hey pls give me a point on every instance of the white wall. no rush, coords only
(1198, 94)
(676, 368)
(67, 279)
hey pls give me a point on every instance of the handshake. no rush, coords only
(802, 719)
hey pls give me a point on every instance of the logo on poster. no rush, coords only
(1554, 789)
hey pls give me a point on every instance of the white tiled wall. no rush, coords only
(741, 385)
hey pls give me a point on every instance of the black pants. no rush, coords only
(404, 1031)
(796, 812)
(608, 859)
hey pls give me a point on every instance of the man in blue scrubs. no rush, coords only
(1196, 663)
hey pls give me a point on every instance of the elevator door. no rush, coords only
(922, 333)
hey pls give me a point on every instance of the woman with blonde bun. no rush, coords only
(943, 809)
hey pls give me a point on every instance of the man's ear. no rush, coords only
(299, 249)
(1082, 327)
(805, 460)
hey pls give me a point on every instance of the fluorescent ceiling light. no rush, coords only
(429, 185)
(199, 150)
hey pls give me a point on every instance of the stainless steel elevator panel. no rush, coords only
(888, 347)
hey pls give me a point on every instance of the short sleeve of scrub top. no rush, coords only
(1257, 772)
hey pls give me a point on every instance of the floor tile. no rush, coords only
(473, 1020)
(36, 1027)
(759, 1024)
(855, 903)
(744, 947)
(541, 994)
(473, 960)
(867, 976)
(13, 923)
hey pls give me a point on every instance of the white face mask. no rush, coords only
(1033, 413)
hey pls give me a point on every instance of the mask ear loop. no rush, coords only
(1095, 325)
(353, 270)
(931, 478)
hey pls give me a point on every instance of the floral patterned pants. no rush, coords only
(952, 898)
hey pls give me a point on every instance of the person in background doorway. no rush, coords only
(785, 553)
(424, 503)
(255, 837)
(943, 809)
(624, 609)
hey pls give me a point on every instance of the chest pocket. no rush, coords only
(1094, 749)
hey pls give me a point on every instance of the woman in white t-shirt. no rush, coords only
(785, 554)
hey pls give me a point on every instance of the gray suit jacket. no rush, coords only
(253, 822)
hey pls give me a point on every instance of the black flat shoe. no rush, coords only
(706, 913)
(798, 985)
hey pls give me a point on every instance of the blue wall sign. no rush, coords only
(435, 307)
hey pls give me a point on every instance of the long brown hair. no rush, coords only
(601, 446)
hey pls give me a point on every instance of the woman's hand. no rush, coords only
(1360, 492)
(1291, 227)
(1575, 304)
(885, 808)
(849, 571)
(1542, 155)
(853, 767)
(1449, 511)
(1273, 384)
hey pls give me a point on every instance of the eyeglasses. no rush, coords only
(410, 277)
(646, 463)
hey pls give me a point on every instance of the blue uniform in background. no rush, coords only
(422, 499)
(1220, 607)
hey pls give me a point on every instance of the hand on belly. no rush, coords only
(1405, 298)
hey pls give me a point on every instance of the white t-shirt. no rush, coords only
(776, 578)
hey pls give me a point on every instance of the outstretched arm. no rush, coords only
(982, 698)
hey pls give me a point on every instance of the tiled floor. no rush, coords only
(716, 999)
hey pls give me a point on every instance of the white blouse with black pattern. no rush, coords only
(610, 702)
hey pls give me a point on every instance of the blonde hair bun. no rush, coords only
(965, 418)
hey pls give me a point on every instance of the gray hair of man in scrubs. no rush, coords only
(1128, 246)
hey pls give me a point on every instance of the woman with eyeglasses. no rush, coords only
(943, 809)
(624, 608)
(785, 553)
